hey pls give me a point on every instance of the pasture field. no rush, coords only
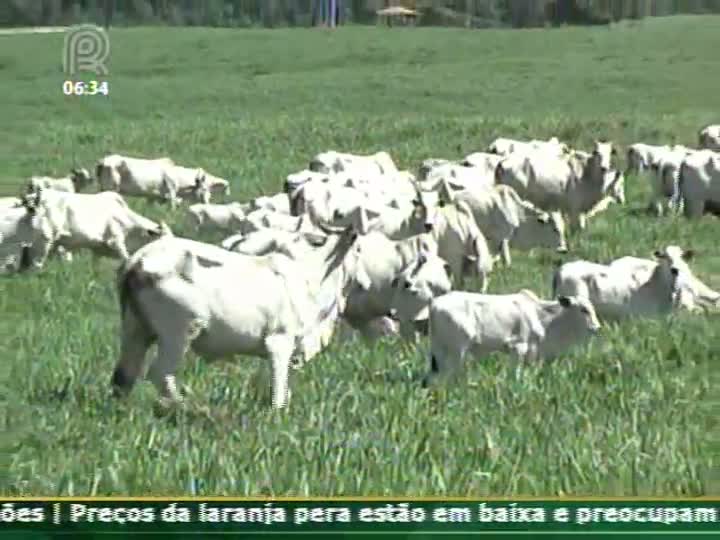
(634, 412)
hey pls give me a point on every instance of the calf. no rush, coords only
(709, 137)
(77, 180)
(222, 217)
(521, 324)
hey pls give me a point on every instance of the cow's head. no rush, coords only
(425, 278)
(582, 311)
(602, 155)
(425, 208)
(81, 178)
(201, 189)
(672, 262)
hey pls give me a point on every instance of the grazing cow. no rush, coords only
(642, 157)
(101, 222)
(379, 163)
(268, 219)
(709, 137)
(385, 260)
(520, 323)
(221, 217)
(460, 241)
(699, 183)
(629, 286)
(77, 180)
(504, 217)
(182, 293)
(571, 184)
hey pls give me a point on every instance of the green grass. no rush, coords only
(631, 413)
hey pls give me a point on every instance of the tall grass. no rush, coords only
(631, 413)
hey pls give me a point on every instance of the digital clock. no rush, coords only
(89, 88)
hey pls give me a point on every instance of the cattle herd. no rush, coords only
(353, 241)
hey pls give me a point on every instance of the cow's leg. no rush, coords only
(134, 345)
(505, 252)
(694, 208)
(173, 344)
(599, 207)
(483, 279)
(114, 239)
(280, 348)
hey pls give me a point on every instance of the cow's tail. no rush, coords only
(135, 328)
(677, 198)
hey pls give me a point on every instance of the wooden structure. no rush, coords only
(403, 15)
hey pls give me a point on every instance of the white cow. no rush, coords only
(268, 219)
(485, 161)
(458, 176)
(101, 222)
(666, 180)
(22, 237)
(372, 164)
(709, 137)
(185, 183)
(385, 260)
(464, 323)
(505, 147)
(569, 184)
(156, 179)
(460, 241)
(699, 183)
(185, 294)
(504, 218)
(642, 157)
(222, 217)
(77, 180)
(630, 286)
(265, 241)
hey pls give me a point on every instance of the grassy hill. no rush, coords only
(632, 413)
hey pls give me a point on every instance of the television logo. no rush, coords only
(86, 48)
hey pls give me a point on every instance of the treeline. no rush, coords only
(278, 13)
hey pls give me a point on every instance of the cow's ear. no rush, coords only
(657, 254)
(395, 282)
(688, 254)
(564, 301)
(614, 151)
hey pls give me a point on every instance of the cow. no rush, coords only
(185, 294)
(385, 260)
(505, 147)
(631, 286)
(641, 157)
(77, 180)
(699, 183)
(373, 164)
(486, 162)
(101, 222)
(529, 328)
(265, 241)
(709, 137)
(573, 184)
(22, 237)
(460, 241)
(666, 179)
(138, 177)
(222, 217)
(504, 218)
(184, 183)
(458, 176)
